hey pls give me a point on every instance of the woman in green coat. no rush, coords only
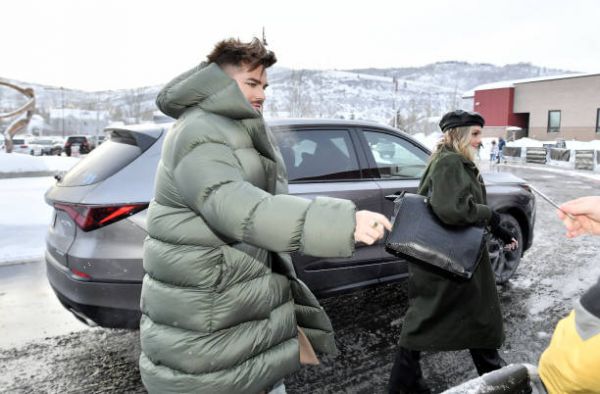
(448, 313)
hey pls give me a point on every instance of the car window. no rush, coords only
(109, 158)
(76, 140)
(318, 155)
(395, 157)
(18, 141)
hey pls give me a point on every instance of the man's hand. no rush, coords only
(370, 226)
(586, 216)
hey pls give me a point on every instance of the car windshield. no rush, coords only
(18, 141)
(77, 140)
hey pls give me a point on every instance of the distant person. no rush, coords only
(222, 308)
(479, 147)
(501, 145)
(571, 363)
(493, 151)
(447, 313)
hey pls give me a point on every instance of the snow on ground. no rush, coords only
(24, 218)
(561, 171)
(31, 311)
(19, 162)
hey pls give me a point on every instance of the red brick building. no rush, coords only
(547, 108)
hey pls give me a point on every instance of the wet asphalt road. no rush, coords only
(552, 274)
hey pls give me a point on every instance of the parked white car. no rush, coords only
(27, 145)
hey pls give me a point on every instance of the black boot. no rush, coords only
(406, 376)
(486, 360)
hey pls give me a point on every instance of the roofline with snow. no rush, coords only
(512, 83)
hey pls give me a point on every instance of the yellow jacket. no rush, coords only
(571, 363)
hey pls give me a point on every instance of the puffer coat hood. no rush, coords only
(220, 300)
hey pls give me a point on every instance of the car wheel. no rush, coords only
(505, 262)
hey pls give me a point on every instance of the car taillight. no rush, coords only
(23, 146)
(80, 275)
(90, 217)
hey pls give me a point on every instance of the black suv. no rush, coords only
(94, 244)
(77, 140)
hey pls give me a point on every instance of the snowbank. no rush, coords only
(25, 218)
(19, 162)
(528, 143)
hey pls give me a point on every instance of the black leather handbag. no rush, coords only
(418, 235)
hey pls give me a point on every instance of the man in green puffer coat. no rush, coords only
(221, 303)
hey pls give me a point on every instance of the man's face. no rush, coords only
(252, 83)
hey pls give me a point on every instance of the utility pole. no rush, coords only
(395, 82)
(97, 116)
(62, 109)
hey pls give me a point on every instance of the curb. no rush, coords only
(27, 260)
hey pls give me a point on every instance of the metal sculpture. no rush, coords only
(21, 122)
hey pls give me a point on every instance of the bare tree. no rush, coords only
(134, 98)
(300, 102)
(272, 108)
(115, 111)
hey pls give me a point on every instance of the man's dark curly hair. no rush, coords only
(236, 53)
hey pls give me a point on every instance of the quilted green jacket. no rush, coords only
(220, 300)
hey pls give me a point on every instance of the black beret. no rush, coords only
(460, 118)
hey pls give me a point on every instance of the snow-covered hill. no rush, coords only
(419, 95)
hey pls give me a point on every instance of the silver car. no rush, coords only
(26, 145)
(94, 243)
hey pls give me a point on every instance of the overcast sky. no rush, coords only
(111, 44)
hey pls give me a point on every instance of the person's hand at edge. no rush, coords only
(586, 216)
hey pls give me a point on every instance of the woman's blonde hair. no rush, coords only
(457, 139)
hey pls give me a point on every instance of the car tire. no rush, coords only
(505, 262)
